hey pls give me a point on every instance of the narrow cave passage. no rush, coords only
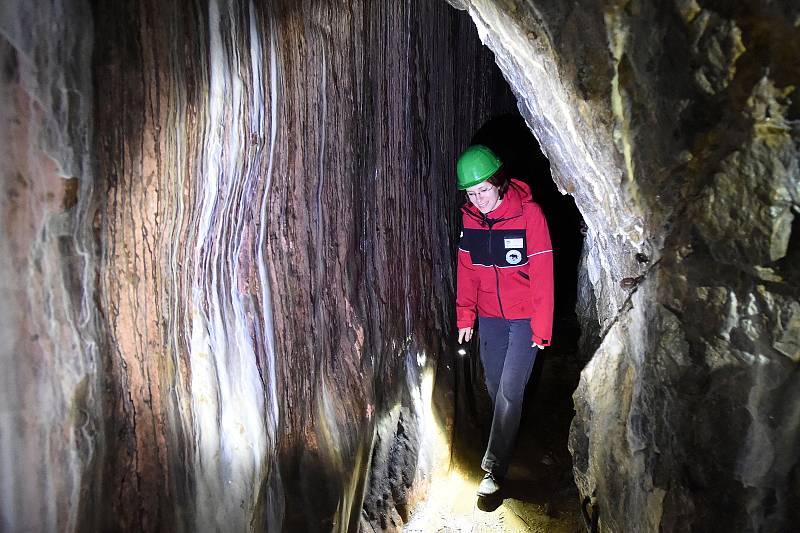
(267, 301)
(264, 300)
(226, 263)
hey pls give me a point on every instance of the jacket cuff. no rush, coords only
(540, 341)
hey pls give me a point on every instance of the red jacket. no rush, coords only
(505, 264)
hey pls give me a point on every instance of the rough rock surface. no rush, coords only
(50, 420)
(236, 268)
(676, 126)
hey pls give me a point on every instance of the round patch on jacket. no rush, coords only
(513, 257)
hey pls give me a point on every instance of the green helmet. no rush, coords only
(476, 164)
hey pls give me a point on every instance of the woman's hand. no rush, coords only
(537, 345)
(464, 335)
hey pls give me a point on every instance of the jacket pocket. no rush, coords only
(523, 274)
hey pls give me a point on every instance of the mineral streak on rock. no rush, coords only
(676, 126)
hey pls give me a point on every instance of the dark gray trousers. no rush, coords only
(507, 357)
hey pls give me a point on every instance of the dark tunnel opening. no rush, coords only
(541, 471)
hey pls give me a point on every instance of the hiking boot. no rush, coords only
(489, 486)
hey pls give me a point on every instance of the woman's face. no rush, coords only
(485, 196)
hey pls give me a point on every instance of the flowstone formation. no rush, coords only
(675, 125)
(228, 258)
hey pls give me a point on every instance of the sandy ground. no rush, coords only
(454, 507)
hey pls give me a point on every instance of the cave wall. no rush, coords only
(304, 150)
(228, 257)
(675, 126)
(49, 352)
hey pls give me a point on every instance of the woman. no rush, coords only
(505, 278)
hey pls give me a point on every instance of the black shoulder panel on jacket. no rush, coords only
(499, 247)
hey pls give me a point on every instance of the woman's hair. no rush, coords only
(500, 180)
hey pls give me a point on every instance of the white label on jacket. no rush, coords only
(513, 256)
(513, 243)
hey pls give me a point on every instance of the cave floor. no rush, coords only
(539, 493)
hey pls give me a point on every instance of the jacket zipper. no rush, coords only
(497, 282)
(496, 272)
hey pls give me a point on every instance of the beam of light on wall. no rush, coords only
(437, 477)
